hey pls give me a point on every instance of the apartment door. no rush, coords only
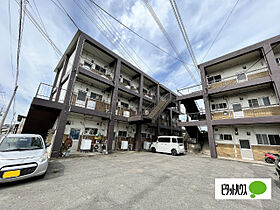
(237, 110)
(246, 150)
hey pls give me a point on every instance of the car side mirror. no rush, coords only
(47, 145)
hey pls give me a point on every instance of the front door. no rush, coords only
(237, 110)
(246, 150)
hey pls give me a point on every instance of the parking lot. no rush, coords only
(135, 181)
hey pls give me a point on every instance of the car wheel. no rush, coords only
(268, 160)
(174, 152)
(153, 150)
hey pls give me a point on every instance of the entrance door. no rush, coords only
(237, 110)
(246, 150)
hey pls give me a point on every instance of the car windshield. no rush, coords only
(180, 140)
(20, 143)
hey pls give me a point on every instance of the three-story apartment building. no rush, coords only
(100, 96)
(241, 96)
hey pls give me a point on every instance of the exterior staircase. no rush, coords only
(159, 108)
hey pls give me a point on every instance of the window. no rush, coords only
(145, 91)
(274, 139)
(82, 95)
(87, 65)
(174, 140)
(74, 133)
(122, 133)
(91, 131)
(180, 140)
(143, 135)
(245, 144)
(257, 102)
(95, 96)
(100, 69)
(226, 137)
(213, 79)
(268, 139)
(164, 139)
(262, 139)
(237, 107)
(124, 105)
(126, 82)
(253, 103)
(241, 76)
(219, 106)
(278, 61)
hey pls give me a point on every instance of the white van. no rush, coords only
(169, 144)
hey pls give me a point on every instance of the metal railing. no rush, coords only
(191, 89)
(191, 117)
(250, 75)
(50, 93)
(90, 103)
(247, 112)
(147, 110)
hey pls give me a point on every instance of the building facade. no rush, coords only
(241, 93)
(97, 94)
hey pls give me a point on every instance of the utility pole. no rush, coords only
(7, 110)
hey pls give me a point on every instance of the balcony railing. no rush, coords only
(249, 75)
(247, 112)
(125, 112)
(131, 87)
(50, 93)
(191, 117)
(191, 89)
(106, 73)
(89, 103)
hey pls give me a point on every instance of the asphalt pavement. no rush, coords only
(136, 181)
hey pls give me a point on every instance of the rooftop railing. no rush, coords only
(191, 89)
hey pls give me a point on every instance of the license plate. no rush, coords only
(9, 174)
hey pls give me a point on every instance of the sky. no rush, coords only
(251, 21)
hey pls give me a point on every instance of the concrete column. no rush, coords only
(65, 111)
(138, 137)
(274, 69)
(63, 70)
(170, 118)
(114, 100)
(138, 125)
(208, 114)
(157, 101)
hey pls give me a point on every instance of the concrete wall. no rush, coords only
(231, 149)
(238, 68)
(229, 100)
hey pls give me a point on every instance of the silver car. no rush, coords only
(22, 156)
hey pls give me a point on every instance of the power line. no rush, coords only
(65, 12)
(140, 36)
(156, 19)
(125, 42)
(184, 33)
(219, 32)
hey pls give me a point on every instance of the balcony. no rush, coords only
(96, 69)
(247, 112)
(90, 103)
(125, 112)
(239, 78)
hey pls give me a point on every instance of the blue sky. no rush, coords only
(251, 22)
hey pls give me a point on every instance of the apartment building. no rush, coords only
(98, 95)
(241, 93)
